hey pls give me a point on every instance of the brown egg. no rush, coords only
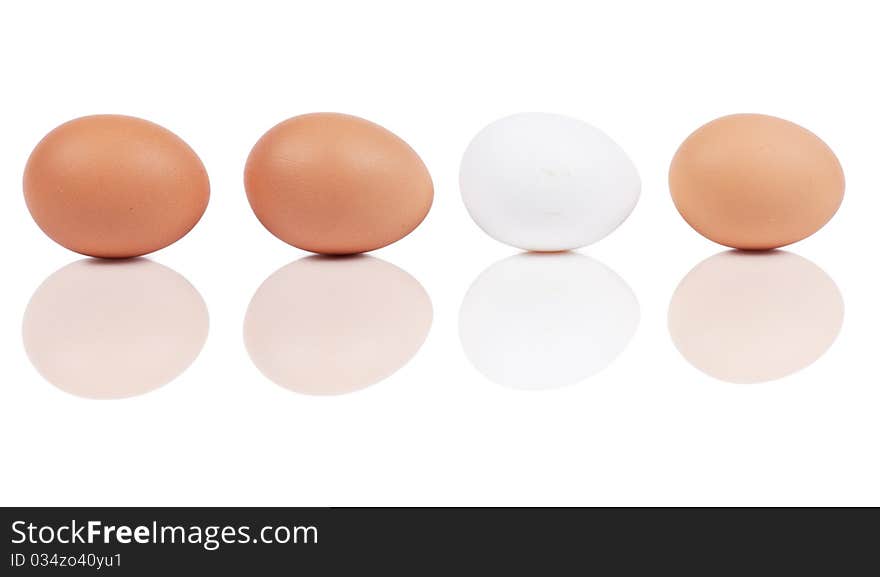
(336, 184)
(114, 186)
(755, 182)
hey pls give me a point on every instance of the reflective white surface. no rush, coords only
(333, 325)
(755, 317)
(540, 321)
(114, 329)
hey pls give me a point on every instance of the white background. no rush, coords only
(650, 429)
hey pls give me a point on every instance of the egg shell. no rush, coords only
(546, 182)
(115, 186)
(755, 182)
(336, 184)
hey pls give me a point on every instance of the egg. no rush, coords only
(115, 186)
(755, 182)
(546, 182)
(336, 184)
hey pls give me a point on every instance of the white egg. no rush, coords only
(540, 321)
(546, 182)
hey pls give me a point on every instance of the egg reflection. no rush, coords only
(750, 318)
(114, 329)
(538, 321)
(333, 325)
